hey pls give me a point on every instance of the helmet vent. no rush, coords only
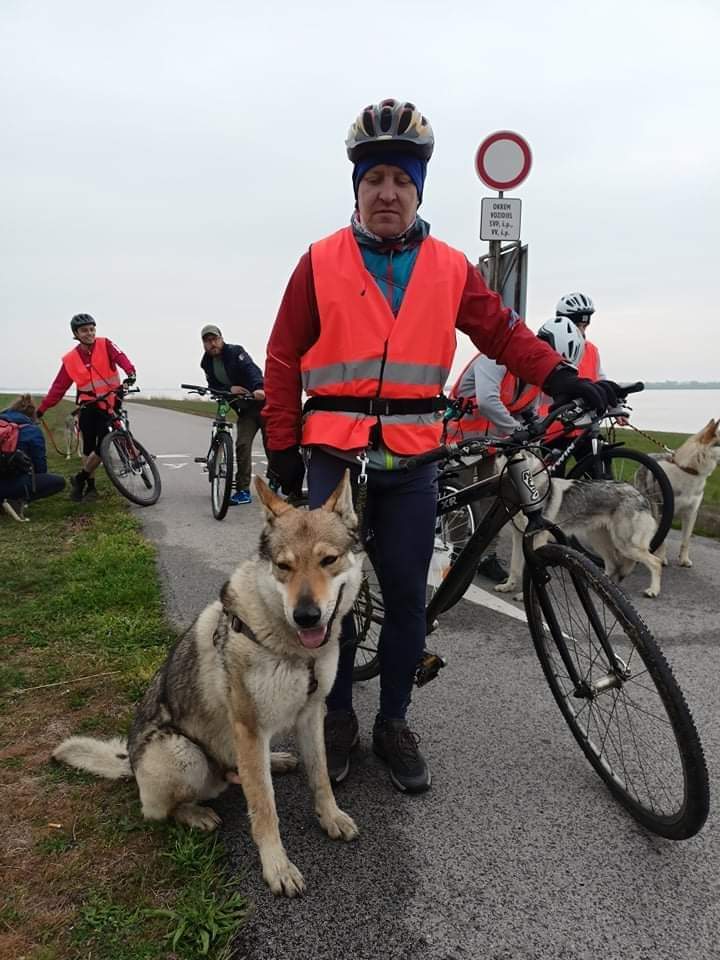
(368, 122)
(385, 119)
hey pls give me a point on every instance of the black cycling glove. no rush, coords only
(286, 467)
(564, 385)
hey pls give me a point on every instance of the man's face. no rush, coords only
(86, 334)
(213, 344)
(582, 323)
(387, 200)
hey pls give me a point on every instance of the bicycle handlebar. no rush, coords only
(219, 394)
(568, 412)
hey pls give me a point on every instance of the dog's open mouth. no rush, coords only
(312, 637)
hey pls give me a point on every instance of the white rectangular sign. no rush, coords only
(500, 218)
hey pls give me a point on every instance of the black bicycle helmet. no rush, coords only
(81, 320)
(390, 125)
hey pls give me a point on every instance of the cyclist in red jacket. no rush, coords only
(92, 367)
(367, 329)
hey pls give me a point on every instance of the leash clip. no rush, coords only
(363, 459)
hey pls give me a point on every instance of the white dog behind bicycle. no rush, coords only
(613, 519)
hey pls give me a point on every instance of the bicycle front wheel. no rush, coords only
(368, 616)
(220, 465)
(624, 707)
(640, 470)
(132, 470)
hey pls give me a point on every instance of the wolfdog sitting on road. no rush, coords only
(257, 662)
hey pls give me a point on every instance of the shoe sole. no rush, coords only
(402, 787)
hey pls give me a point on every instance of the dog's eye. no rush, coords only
(283, 566)
(326, 561)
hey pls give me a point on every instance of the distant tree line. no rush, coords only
(682, 385)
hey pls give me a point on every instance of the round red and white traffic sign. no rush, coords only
(503, 160)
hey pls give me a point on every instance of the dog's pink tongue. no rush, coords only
(312, 637)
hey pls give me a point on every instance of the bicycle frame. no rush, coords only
(513, 493)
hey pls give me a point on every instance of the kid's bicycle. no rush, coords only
(131, 469)
(220, 458)
(610, 680)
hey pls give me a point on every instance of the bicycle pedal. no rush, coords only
(428, 668)
(200, 459)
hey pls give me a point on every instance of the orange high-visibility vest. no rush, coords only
(365, 351)
(589, 365)
(515, 395)
(93, 374)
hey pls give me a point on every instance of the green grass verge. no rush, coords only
(82, 628)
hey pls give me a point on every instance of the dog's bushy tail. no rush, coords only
(105, 758)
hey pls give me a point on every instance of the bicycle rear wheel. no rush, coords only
(368, 615)
(131, 469)
(220, 467)
(638, 469)
(630, 717)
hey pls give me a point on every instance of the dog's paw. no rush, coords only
(197, 817)
(282, 876)
(281, 762)
(651, 593)
(338, 825)
(685, 562)
(665, 562)
(507, 586)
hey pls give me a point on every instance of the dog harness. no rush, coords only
(239, 626)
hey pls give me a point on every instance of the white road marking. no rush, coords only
(175, 466)
(486, 599)
(171, 456)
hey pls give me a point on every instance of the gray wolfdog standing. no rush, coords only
(258, 661)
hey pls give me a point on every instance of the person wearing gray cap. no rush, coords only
(228, 366)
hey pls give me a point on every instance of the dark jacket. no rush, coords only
(239, 366)
(31, 440)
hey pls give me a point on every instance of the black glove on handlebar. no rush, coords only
(287, 468)
(564, 385)
(613, 392)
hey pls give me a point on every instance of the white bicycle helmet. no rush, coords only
(575, 305)
(563, 336)
(390, 125)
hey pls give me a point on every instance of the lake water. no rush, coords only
(681, 411)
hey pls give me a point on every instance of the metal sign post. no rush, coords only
(502, 161)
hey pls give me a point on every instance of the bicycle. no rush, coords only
(608, 460)
(220, 458)
(612, 683)
(131, 469)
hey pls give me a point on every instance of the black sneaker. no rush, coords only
(76, 487)
(396, 744)
(491, 568)
(341, 737)
(90, 489)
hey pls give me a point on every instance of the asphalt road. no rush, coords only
(518, 852)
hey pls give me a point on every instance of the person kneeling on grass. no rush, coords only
(92, 367)
(25, 478)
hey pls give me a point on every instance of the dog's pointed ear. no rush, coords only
(340, 502)
(707, 434)
(274, 505)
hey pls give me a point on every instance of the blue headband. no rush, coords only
(411, 165)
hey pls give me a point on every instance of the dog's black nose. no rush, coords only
(307, 615)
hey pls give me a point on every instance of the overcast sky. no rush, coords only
(165, 164)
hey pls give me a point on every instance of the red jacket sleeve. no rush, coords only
(119, 359)
(500, 334)
(60, 386)
(296, 328)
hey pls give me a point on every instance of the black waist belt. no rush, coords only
(376, 406)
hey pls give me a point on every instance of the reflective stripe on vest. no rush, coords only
(365, 351)
(94, 375)
(474, 425)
